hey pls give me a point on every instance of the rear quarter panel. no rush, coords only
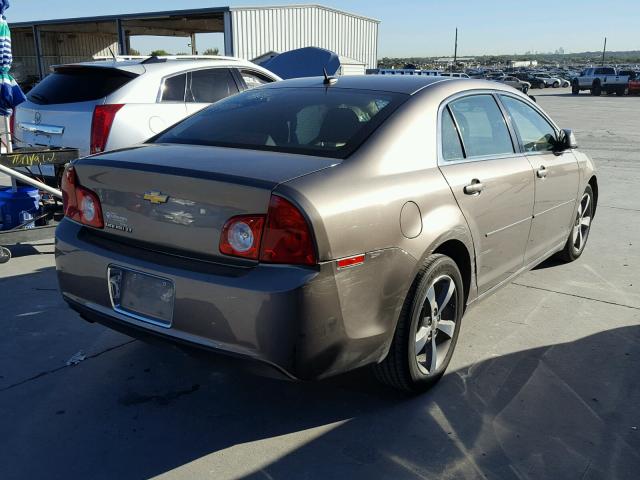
(355, 207)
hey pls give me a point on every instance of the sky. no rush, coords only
(411, 27)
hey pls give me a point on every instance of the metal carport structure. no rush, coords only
(248, 32)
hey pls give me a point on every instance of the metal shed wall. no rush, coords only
(257, 30)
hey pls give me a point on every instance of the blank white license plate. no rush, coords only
(142, 296)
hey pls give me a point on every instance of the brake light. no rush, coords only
(103, 116)
(80, 204)
(284, 236)
(287, 237)
(241, 236)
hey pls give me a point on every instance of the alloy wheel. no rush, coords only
(436, 325)
(583, 223)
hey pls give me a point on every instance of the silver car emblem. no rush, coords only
(38, 118)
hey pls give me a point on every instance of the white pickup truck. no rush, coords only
(600, 79)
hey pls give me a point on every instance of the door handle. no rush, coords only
(474, 188)
(542, 172)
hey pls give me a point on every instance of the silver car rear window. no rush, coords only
(329, 122)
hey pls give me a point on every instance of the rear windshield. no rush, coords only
(328, 122)
(71, 85)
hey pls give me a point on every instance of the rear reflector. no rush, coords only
(351, 261)
(103, 116)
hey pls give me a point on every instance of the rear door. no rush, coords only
(557, 177)
(207, 86)
(59, 110)
(492, 184)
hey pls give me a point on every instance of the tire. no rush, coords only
(403, 368)
(620, 91)
(556, 85)
(581, 227)
(596, 89)
(5, 255)
(575, 88)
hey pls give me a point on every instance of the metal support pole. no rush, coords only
(37, 45)
(122, 38)
(455, 51)
(194, 47)
(228, 35)
(604, 50)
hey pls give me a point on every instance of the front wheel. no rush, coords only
(581, 227)
(556, 84)
(428, 328)
(575, 88)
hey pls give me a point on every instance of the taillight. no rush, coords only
(283, 237)
(287, 237)
(80, 204)
(103, 116)
(241, 236)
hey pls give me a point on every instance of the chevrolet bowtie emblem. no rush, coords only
(156, 197)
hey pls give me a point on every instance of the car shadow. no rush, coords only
(569, 410)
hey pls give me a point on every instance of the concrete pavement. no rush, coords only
(544, 382)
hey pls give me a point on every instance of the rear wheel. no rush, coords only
(575, 88)
(556, 84)
(581, 227)
(428, 328)
(596, 89)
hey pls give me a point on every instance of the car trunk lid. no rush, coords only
(177, 198)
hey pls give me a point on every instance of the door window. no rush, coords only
(254, 79)
(535, 132)
(173, 88)
(482, 126)
(209, 86)
(451, 146)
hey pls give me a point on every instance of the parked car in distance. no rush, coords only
(514, 82)
(110, 104)
(527, 77)
(548, 80)
(634, 83)
(600, 79)
(322, 225)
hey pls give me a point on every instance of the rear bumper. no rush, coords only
(308, 323)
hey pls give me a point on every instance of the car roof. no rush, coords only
(407, 84)
(403, 84)
(161, 65)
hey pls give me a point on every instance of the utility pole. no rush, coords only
(604, 50)
(455, 51)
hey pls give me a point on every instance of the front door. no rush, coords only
(557, 178)
(492, 184)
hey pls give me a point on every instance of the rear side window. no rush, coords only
(209, 86)
(71, 85)
(536, 133)
(174, 88)
(482, 126)
(309, 121)
(254, 79)
(451, 146)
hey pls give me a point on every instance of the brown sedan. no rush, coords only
(321, 225)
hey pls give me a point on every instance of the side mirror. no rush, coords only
(532, 98)
(568, 139)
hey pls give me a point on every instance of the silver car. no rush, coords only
(110, 104)
(321, 225)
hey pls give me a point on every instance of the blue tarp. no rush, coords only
(303, 62)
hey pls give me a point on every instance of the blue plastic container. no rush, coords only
(22, 204)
